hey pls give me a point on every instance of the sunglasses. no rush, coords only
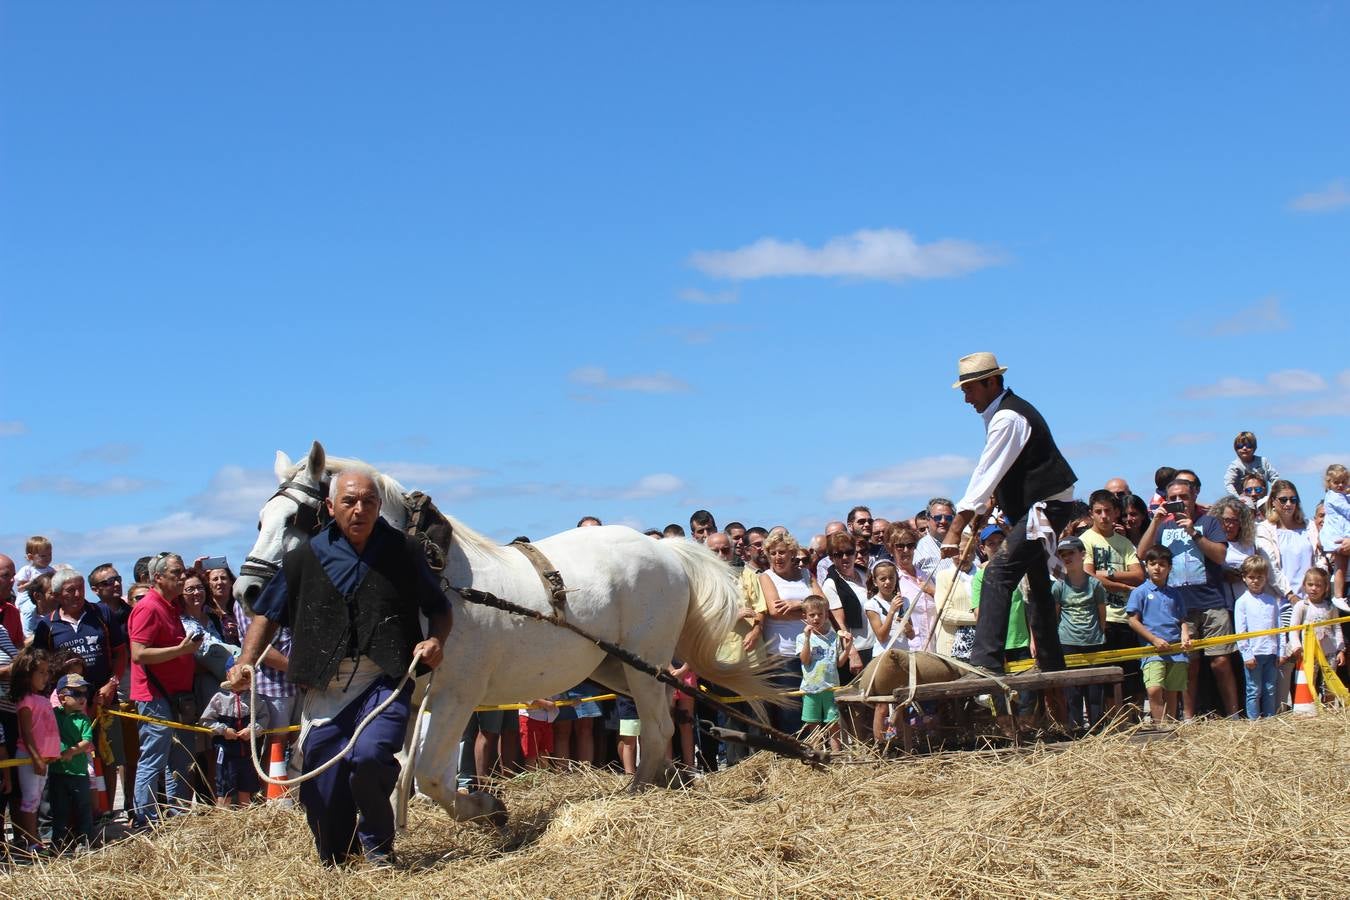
(108, 582)
(1246, 445)
(941, 519)
(1254, 491)
(1287, 500)
(904, 545)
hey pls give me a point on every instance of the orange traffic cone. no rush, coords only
(98, 786)
(276, 767)
(1303, 699)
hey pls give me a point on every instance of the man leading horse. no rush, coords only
(352, 597)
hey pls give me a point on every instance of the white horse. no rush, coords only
(658, 599)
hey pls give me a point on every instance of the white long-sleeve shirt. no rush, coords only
(1006, 434)
(1258, 612)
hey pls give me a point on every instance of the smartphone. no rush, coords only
(198, 637)
(215, 562)
(1175, 507)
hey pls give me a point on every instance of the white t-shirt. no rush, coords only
(862, 637)
(780, 635)
(926, 557)
(897, 640)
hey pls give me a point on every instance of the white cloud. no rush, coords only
(235, 494)
(885, 254)
(176, 532)
(1287, 381)
(1189, 438)
(1343, 379)
(113, 453)
(709, 298)
(920, 478)
(653, 383)
(1262, 317)
(12, 428)
(72, 487)
(1333, 404)
(1297, 429)
(654, 485)
(1088, 449)
(413, 474)
(1312, 465)
(1329, 198)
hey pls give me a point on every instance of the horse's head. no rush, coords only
(290, 517)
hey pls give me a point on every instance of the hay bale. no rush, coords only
(1219, 809)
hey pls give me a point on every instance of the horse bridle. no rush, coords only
(309, 517)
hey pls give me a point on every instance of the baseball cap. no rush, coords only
(1071, 543)
(987, 530)
(71, 682)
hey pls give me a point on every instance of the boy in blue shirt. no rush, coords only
(1157, 614)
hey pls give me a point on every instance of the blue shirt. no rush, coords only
(1196, 576)
(1161, 611)
(347, 569)
(89, 638)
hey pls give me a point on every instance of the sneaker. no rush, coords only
(381, 859)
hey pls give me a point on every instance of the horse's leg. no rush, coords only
(438, 761)
(657, 727)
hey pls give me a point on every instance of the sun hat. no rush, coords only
(977, 366)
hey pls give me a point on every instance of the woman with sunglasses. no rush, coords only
(786, 585)
(901, 541)
(1285, 538)
(845, 588)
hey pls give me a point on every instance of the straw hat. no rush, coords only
(977, 366)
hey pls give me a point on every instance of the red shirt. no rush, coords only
(154, 622)
(12, 621)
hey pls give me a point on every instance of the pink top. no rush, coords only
(44, 727)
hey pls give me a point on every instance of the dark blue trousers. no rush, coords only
(350, 801)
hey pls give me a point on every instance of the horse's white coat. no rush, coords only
(658, 599)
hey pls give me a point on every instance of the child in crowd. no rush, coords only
(1162, 477)
(1158, 616)
(39, 739)
(536, 732)
(630, 727)
(885, 608)
(1259, 610)
(1317, 608)
(1080, 608)
(1247, 463)
(38, 550)
(227, 715)
(822, 650)
(1334, 535)
(68, 778)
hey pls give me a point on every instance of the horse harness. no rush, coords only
(429, 527)
(309, 517)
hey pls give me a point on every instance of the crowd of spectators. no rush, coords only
(1133, 571)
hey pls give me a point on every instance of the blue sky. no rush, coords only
(626, 260)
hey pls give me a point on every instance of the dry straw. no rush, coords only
(1217, 809)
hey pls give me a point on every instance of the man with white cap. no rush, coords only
(1029, 478)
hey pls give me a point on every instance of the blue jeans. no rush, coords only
(162, 754)
(1261, 683)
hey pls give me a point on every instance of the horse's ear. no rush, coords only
(282, 466)
(316, 462)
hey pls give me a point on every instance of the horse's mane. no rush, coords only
(391, 491)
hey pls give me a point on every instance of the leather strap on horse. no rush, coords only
(429, 526)
(782, 742)
(551, 577)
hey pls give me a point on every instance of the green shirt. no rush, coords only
(74, 728)
(1019, 635)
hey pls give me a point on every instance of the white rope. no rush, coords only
(361, 726)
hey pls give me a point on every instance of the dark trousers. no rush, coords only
(69, 799)
(788, 718)
(351, 800)
(1020, 557)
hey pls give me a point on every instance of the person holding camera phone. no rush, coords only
(1199, 546)
(162, 668)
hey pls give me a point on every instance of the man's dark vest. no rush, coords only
(853, 611)
(1040, 470)
(378, 619)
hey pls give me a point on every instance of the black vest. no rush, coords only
(1040, 470)
(853, 611)
(379, 619)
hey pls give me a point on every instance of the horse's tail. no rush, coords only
(708, 641)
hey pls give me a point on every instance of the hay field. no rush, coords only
(1219, 809)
